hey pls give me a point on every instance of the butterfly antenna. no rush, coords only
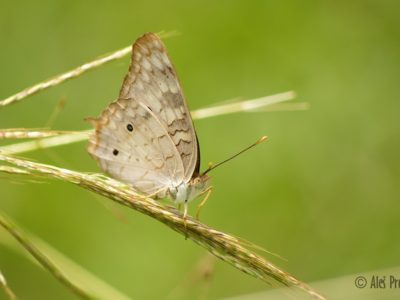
(212, 167)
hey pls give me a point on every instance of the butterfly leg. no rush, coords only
(208, 193)
(185, 209)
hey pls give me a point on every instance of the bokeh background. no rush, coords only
(323, 192)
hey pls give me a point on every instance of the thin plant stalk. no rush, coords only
(58, 79)
(72, 271)
(222, 245)
(23, 133)
(7, 290)
(54, 141)
(42, 259)
(242, 106)
(59, 138)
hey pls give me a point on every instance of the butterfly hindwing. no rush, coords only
(130, 144)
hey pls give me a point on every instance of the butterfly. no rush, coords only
(146, 137)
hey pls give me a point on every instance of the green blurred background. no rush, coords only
(323, 192)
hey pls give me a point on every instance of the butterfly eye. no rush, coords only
(129, 127)
(115, 152)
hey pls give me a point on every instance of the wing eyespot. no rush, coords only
(115, 152)
(129, 127)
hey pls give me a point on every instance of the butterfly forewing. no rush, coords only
(153, 81)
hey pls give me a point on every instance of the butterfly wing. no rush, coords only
(132, 145)
(153, 81)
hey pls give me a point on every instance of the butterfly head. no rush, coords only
(187, 191)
